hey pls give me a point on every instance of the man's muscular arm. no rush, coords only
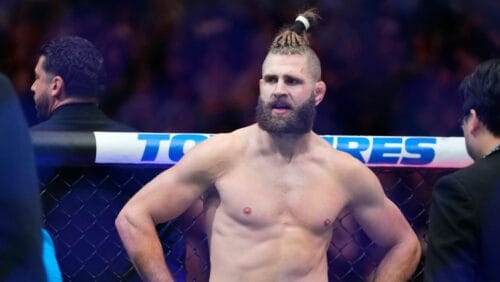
(384, 223)
(138, 234)
(165, 197)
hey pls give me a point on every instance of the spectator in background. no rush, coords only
(464, 231)
(69, 80)
(20, 238)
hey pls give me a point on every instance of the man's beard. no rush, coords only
(297, 121)
(42, 108)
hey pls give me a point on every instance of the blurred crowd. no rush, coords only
(392, 67)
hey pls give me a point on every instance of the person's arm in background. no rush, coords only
(452, 247)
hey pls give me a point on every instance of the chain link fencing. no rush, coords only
(81, 204)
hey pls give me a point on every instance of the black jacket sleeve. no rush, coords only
(452, 242)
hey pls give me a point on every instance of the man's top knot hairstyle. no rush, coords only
(78, 62)
(293, 39)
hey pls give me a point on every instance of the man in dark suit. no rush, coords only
(20, 222)
(464, 231)
(69, 80)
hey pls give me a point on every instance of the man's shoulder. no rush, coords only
(230, 141)
(480, 168)
(342, 166)
(80, 117)
(342, 160)
(214, 155)
(47, 125)
(81, 125)
(479, 176)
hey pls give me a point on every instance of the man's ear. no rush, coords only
(57, 87)
(475, 125)
(319, 91)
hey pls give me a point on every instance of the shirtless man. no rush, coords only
(277, 188)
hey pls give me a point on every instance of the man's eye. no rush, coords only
(271, 79)
(292, 81)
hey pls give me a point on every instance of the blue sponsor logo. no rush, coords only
(369, 150)
(176, 148)
(387, 150)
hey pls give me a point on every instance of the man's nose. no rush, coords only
(279, 95)
(280, 89)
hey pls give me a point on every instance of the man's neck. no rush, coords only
(491, 145)
(73, 100)
(285, 144)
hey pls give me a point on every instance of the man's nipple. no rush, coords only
(327, 222)
(247, 210)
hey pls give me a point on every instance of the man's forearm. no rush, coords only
(399, 263)
(150, 263)
(152, 268)
(144, 249)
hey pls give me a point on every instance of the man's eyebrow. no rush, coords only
(268, 76)
(292, 76)
(288, 76)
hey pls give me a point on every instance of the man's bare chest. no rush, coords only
(296, 195)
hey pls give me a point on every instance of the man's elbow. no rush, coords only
(127, 221)
(122, 223)
(414, 248)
